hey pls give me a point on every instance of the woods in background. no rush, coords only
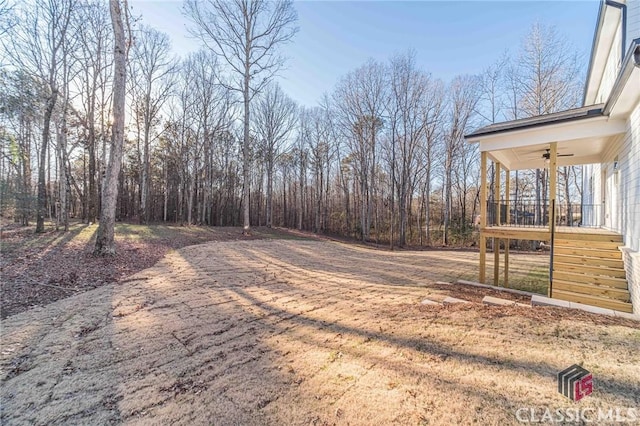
(212, 139)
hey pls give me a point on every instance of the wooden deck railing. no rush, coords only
(531, 214)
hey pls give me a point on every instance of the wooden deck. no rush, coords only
(598, 280)
(543, 233)
(587, 265)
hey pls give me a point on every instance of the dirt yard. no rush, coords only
(38, 269)
(299, 332)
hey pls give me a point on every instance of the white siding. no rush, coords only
(611, 69)
(633, 20)
(592, 195)
(627, 149)
(630, 209)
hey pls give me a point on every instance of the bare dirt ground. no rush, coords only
(303, 332)
(38, 269)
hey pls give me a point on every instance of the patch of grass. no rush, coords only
(334, 355)
(536, 281)
(276, 234)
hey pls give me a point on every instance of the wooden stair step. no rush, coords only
(593, 290)
(586, 260)
(595, 253)
(606, 245)
(612, 238)
(587, 299)
(590, 279)
(590, 269)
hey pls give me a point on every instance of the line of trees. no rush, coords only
(212, 139)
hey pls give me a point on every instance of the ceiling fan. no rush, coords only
(547, 155)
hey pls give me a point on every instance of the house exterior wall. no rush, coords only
(630, 209)
(625, 179)
(633, 20)
(591, 195)
(612, 68)
(599, 177)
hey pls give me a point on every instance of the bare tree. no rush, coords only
(95, 40)
(7, 20)
(542, 81)
(433, 118)
(275, 119)
(360, 103)
(492, 91)
(409, 88)
(151, 74)
(212, 108)
(247, 34)
(105, 243)
(463, 100)
(547, 69)
(36, 46)
(68, 70)
(317, 137)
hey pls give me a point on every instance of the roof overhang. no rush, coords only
(625, 94)
(609, 19)
(522, 148)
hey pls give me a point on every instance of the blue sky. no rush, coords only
(448, 37)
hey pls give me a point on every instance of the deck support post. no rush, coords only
(496, 241)
(483, 216)
(553, 176)
(507, 193)
(553, 179)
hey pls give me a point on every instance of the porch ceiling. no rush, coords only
(521, 149)
(585, 151)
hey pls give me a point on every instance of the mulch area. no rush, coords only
(541, 314)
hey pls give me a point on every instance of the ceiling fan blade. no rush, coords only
(533, 150)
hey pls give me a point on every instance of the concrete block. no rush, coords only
(489, 300)
(473, 283)
(545, 301)
(592, 309)
(443, 283)
(627, 315)
(453, 300)
(430, 302)
(538, 300)
(493, 287)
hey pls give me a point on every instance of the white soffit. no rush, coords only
(522, 149)
(585, 151)
(629, 97)
(607, 34)
(591, 128)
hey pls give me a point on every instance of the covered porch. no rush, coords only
(573, 231)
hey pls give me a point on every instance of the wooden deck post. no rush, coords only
(507, 193)
(553, 175)
(496, 241)
(483, 216)
(553, 179)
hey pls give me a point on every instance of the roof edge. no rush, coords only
(596, 37)
(631, 60)
(595, 111)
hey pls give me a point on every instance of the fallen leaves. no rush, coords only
(38, 269)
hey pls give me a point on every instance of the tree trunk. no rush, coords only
(245, 148)
(92, 204)
(42, 188)
(269, 212)
(105, 244)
